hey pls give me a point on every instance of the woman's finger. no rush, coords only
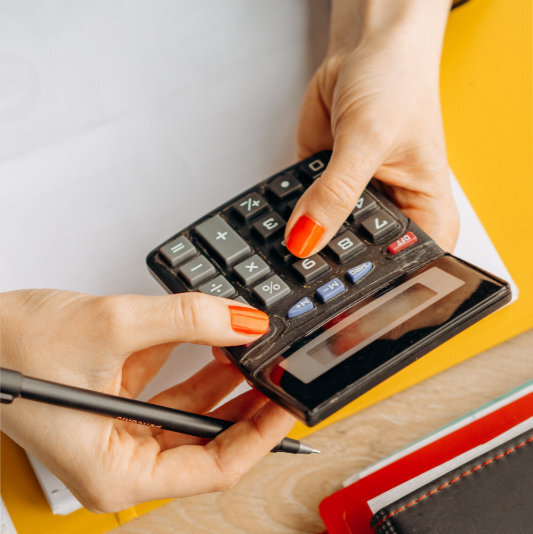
(142, 366)
(131, 323)
(241, 407)
(331, 198)
(193, 469)
(202, 391)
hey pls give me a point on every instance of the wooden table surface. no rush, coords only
(281, 494)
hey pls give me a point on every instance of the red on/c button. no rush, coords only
(405, 241)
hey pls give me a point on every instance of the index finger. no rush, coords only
(328, 202)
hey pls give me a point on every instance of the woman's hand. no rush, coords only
(375, 102)
(116, 345)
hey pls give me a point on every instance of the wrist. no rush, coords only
(382, 23)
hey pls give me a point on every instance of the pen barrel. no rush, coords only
(124, 409)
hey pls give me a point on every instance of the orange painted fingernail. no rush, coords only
(305, 234)
(248, 320)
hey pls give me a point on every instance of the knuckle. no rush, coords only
(113, 314)
(338, 194)
(228, 478)
(187, 310)
(226, 474)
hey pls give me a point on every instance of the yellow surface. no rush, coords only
(488, 114)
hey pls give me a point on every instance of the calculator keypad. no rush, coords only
(238, 251)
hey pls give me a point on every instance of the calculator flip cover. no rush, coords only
(380, 295)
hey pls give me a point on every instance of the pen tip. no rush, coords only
(314, 451)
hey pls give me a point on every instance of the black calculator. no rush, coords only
(380, 295)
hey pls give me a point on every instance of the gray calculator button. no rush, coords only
(250, 206)
(223, 239)
(364, 204)
(219, 287)
(178, 250)
(252, 269)
(271, 290)
(379, 224)
(197, 271)
(241, 299)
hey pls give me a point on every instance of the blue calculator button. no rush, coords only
(333, 288)
(302, 306)
(359, 272)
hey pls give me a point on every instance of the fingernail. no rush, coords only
(304, 236)
(248, 320)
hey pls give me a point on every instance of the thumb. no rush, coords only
(327, 203)
(135, 322)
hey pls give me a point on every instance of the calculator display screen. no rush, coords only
(357, 332)
(375, 337)
(358, 328)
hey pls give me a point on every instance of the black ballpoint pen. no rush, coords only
(14, 384)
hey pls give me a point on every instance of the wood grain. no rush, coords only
(281, 494)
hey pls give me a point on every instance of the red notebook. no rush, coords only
(348, 512)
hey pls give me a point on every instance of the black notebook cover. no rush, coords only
(491, 494)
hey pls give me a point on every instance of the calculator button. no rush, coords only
(178, 250)
(252, 269)
(379, 224)
(241, 299)
(311, 170)
(219, 287)
(282, 252)
(344, 246)
(304, 305)
(288, 208)
(223, 239)
(364, 205)
(197, 271)
(269, 225)
(333, 288)
(271, 290)
(404, 242)
(250, 206)
(284, 186)
(359, 271)
(310, 268)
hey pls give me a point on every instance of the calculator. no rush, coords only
(380, 295)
